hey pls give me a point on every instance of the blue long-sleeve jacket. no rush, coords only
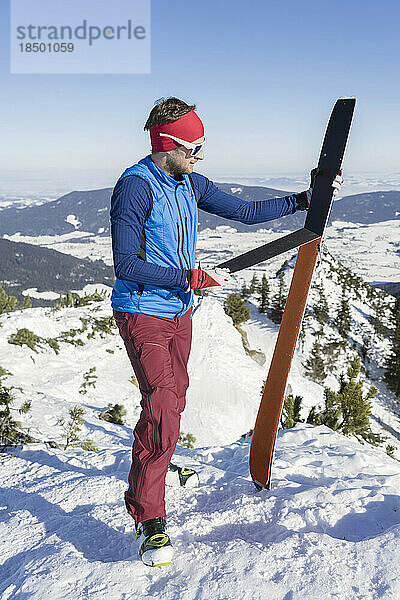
(154, 233)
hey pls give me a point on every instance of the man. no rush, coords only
(154, 215)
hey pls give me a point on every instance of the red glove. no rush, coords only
(198, 279)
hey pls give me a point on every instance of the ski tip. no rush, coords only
(258, 485)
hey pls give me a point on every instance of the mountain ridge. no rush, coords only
(89, 211)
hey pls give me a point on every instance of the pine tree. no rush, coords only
(343, 317)
(304, 327)
(245, 291)
(264, 295)
(314, 365)
(331, 351)
(291, 411)
(10, 303)
(235, 307)
(278, 302)
(72, 428)
(392, 373)
(365, 349)
(348, 410)
(377, 317)
(10, 429)
(321, 308)
(254, 284)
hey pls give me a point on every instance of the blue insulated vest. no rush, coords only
(169, 239)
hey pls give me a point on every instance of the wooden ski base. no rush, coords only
(266, 427)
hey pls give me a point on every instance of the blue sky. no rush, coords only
(264, 76)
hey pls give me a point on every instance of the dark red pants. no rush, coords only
(158, 349)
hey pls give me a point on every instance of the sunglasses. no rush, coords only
(195, 148)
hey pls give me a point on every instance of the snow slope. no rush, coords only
(328, 529)
(216, 413)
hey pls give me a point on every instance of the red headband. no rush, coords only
(188, 128)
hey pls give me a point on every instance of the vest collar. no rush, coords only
(162, 176)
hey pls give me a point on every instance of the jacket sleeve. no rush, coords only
(130, 204)
(211, 199)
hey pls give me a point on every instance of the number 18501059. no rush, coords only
(46, 47)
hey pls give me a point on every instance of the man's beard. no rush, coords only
(175, 167)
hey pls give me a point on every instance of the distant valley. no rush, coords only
(25, 266)
(77, 224)
(89, 211)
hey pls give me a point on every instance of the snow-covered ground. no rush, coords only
(24, 200)
(328, 528)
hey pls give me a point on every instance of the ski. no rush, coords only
(318, 213)
(267, 251)
(329, 164)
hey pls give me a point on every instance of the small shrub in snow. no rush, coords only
(52, 342)
(390, 450)
(73, 300)
(4, 373)
(365, 349)
(377, 317)
(89, 446)
(348, 410)
(104, 325)
(321, 308)
(343, 317)
(25, 337)
(10, 429)
(186, 439)
(70, 336)
(331, 351)
(235, 308)
(291, 411)
(10, 303)
(89, 380)
(114, 414)
(25, 407)
(71, 430)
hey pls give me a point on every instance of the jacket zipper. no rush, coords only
(180, 262)
(187, 242)
(179, 245)
(181, 219)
